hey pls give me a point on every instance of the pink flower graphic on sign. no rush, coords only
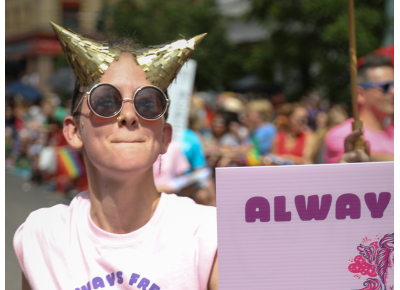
(361, 266)
(376, 259)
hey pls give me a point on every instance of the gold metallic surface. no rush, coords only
(119, 120)
(90, 58)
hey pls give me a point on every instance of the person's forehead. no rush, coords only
(382, 73)
(300, 111)
(125, 72)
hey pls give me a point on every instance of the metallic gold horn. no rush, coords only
(161, 63)
(90, 58)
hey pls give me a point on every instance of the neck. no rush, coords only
(371, 120)
(121, 203)
(293, 134)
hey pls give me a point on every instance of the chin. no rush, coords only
(133, 164)
(124, 173)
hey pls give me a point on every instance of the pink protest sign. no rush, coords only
(306, 227)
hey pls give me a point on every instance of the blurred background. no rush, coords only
(265, 67)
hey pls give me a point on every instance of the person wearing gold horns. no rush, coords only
(121, 233)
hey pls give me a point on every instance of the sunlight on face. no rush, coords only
(133, 144)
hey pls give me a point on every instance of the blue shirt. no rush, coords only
(193, 149)
(263, 137)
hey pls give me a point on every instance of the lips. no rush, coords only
(127, 141)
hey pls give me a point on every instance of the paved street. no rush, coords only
(20, 200)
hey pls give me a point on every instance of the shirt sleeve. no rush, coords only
(197, 158)
(18, 246)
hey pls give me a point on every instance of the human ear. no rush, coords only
(166, 138)
(71, 133)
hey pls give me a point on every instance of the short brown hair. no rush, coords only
(371, 61)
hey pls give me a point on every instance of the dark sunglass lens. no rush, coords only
(150, 103)
(386, 88)
(105, 100)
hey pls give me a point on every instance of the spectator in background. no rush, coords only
(221, 135)
(324, 122)
(47, 109)
(259, 114)
(225, 126)
(191, 143)
(9, 117)
(295, 138)
(311, 102)
(168, 167)
(277, 98)
(221, 98)
(19, 116)
(375, 106)
(262, 133)
(222, 142)
(233, 110)
(203, 191)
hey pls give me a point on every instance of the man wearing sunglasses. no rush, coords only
(376, 109)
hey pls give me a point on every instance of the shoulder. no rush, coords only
(190, 140)
(335, 136)
(340, 131)
(266, 129)
(45, 218)
(40, 227)
(50, 220)
(189, 135)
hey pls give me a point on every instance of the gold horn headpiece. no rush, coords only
(90, 58)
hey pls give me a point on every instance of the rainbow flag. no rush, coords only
(253, 157)
(69, 162)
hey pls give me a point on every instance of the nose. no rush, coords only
(128, 115)
(391, 89)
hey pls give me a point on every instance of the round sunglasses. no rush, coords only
(106, 101)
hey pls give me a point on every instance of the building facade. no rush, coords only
(29, 37)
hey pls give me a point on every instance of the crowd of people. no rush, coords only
(35, 147)
(227, 129)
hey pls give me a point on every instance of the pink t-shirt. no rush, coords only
(380, 142)
(61, 248)
(173, 164)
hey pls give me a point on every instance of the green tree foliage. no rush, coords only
(308, 43)
(160, 21)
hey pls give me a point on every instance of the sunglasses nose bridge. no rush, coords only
(128, 112)
(126, 100)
